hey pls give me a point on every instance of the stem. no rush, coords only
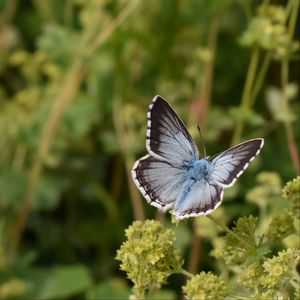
(186, 273)
(290, 135)
(209, 70)
(239, 297)
(124, 143)
(195, 252)
(260, 77)
(229, 231)
(65, 96)
(246, 99)
(8, 12)
(110, 28)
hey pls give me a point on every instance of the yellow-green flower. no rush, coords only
(291, 192)
(281, 226)
(206, 286)
(149, 255)
(281, 267)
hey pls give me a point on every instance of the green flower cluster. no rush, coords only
(281, 226)
(291, 192)
(206, 286)
(269, 31)
(149, 255)
(280, 268)
(239, 245)
(268, 278)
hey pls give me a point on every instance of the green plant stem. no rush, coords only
(290, 135)
(186, 273)
(109, 29)
(209, 69)
(260, 77)
(195, 252)
(124, 143)
(8, 12)
(62, 101)
(246, 96)
(229, 231)
(239, 297)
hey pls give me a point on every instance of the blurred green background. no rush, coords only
(76, 79)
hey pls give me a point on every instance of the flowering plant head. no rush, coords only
(149, 255)
(206, 286)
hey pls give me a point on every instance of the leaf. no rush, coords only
(115, 288)
(258, 254)
(65, 282)
(12, 187)
(47, 194)
(79, 118)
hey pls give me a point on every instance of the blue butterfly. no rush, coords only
(172, 176)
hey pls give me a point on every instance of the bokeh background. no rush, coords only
(76, 80)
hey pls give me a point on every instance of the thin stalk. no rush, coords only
(124, 142)
(209, 70)
(8, 12)
(260, 77)
(186, 273)
(246, 99)
(195, 252)
(293, 18)
(64, 97)
(68, 14)
(290, 135)
(239, 297)
(129, 8)
(229, 231)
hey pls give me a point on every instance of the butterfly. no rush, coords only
(173, 176)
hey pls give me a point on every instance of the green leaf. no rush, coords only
(47, 194)
(112, 289)
(66, 281)
(12, 187)
(258, 254)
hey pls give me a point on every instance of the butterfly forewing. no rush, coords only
(158, 180)
(230, 164)
(167, 137)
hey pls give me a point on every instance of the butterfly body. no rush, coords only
(199, 169)
(173, 175)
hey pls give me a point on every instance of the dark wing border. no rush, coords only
(243, 165)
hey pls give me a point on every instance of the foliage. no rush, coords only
(76, 78)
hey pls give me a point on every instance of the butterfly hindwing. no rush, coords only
(230, 164)
(158, 180)
(167, 137)
(198, 198)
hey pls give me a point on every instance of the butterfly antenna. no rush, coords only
(202, 140)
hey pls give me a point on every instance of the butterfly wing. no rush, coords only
(167, 137)
(198, 198)
(230, 164)
(159, 181)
